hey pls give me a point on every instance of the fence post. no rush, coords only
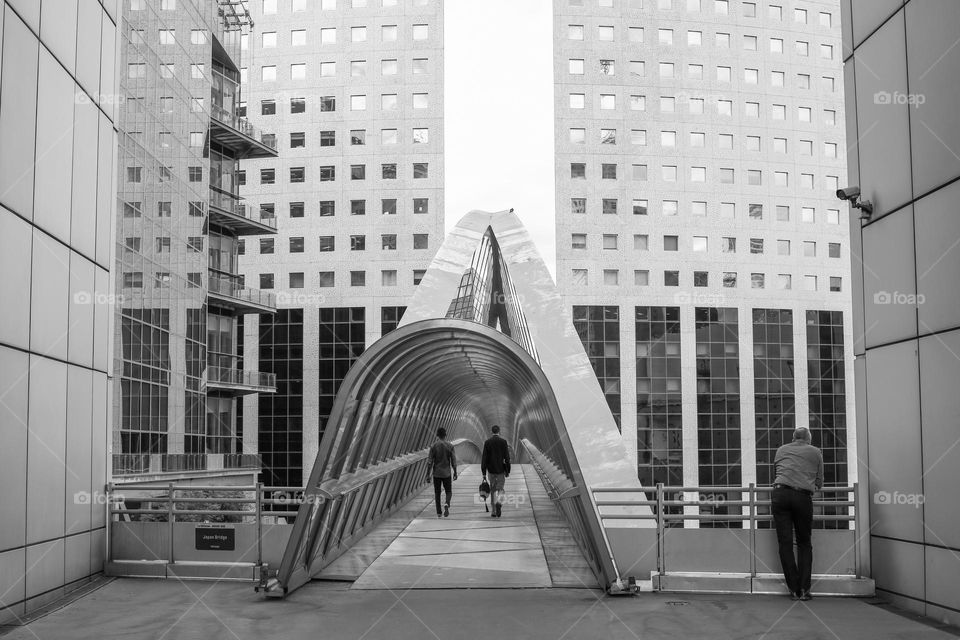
(170, 517)
(753, 530)
(106, 533)
(856, 529)
(259, 508)
(661, 561)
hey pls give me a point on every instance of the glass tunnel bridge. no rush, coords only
(485, 340)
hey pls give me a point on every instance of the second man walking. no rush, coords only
(495, 466)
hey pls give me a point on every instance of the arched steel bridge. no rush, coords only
(485, 340)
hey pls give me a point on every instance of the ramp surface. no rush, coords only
(468, 549)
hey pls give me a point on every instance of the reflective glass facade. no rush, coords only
(599, 330)
(773, 386)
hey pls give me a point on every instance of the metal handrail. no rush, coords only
(751, 517)
(243, 126)
(227, 287)
(225, 375)
(234, 204)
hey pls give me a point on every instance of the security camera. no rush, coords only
(853, 195)
(848, 193)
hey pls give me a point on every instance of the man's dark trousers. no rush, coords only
(793, 511)
(447, 484)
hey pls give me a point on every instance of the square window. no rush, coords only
(611, 277)
(388, 206)
(327, 279)
(783, 247)
(577, 101)
(388, 277)
(421, 136)
(358, 207)
(358, 68)
(388, 242)
(575, 66)
(388, 171)
(297, 140)
(358, 137)
(610, 241)
(266, 281)
(609, 206)
(421, 170)
(641, 278)
(420, 205)
(358, 172)
(358, 243)
(358, 278)
(640, 207)
(578, 170)
(757, 281)
(327, 208)
(701, 279)
(421, 32)
(297, 174)
(328, 173)
(730, 279)
(388, 102)
(671, 278)
(578, 205)
(671, 243)
(388, 67)
(327, 103)
(578, 241)
(267, 176)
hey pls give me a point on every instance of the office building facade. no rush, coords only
(58, 115)
(354, 91)
(180, 296)
(902, 73)
(700, 247)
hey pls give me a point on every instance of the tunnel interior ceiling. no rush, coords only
(484, 341)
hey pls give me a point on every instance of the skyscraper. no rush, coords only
(354, 92)
(58, 113)
(179, 292)
(699, 242)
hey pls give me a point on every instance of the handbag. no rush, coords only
(484, 492)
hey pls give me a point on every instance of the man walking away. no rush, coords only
(495, 466)
(799, 473)
(442, 464)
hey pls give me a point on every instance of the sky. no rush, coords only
(498, 113)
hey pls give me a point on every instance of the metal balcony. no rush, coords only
(237, 382)
(238, 134)
(228, 210)
(224, 293)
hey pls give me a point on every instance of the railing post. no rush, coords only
(661, 560)
(170, 517)
(259, 490)
(753, 530)
(856, 529)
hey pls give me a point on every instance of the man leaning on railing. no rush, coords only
(799, 473)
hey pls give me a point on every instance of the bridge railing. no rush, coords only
(666, 529)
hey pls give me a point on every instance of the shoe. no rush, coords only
(806, 595)
(446, 511)
(499, 510)
(439, 515)
(795, 595)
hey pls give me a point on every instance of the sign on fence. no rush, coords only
(215, 537)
